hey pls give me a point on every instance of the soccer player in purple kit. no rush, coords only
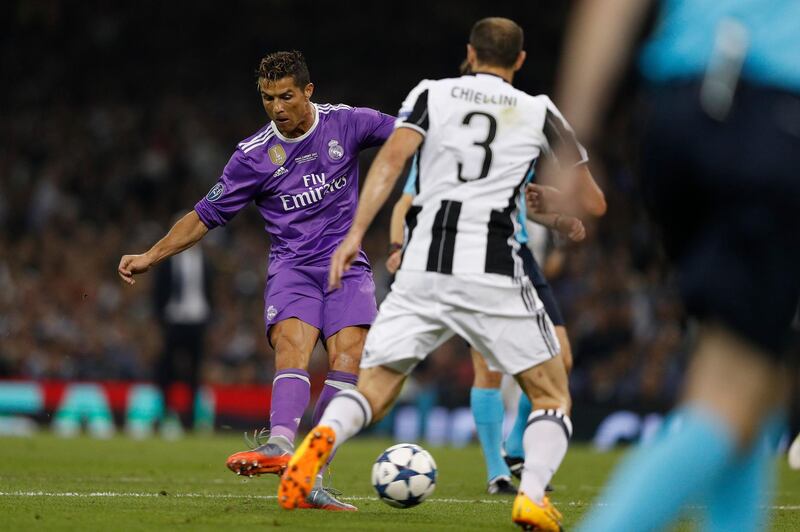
(301, 170)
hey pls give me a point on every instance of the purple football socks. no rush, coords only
(291, 391)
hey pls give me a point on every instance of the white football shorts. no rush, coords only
(501, 317)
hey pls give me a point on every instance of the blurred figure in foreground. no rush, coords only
(721, 149)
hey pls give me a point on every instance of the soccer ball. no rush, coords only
(404, 475)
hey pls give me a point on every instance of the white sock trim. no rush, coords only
(555, 415)
(291, 376)
(339, 384)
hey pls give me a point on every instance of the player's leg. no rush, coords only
(293, 341)
(349, 412)
(731, 385)
(545, 441)
(405, 331)
(344, 353)
(517, 338)
(293, 303)
(486, 403)
(515, 451)
(739, 499)
(348, 313)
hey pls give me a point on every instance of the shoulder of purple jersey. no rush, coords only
(332, 108)
(263, 136)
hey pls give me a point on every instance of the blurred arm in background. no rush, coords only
(396, 232)
(598, 46)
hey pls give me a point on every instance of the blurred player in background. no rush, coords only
(720, 159)
(182, 293)
(301, 170)
(461, 271)
(486, 401)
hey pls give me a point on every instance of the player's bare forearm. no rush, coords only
(398, 218)
(184, 234)
(596, 50)
(547, 219)
(591, 197)
(383, 175)
(568, 226)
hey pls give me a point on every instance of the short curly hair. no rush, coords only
(279, 65)
(497, 41)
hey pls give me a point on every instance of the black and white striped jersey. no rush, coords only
(482, 138)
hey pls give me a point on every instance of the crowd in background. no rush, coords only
(105, 139)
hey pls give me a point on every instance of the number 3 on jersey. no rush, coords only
(485, 144)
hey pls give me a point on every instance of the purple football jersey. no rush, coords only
(305, 188)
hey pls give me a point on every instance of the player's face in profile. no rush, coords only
(286, 104)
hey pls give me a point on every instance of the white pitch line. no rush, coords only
(102, 494)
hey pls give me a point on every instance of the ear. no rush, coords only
(520, 59)
(308, 91)
(472, 56)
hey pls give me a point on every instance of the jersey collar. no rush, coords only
(476, 74)
(304, 135)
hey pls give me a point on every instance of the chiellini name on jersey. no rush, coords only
(473, 96)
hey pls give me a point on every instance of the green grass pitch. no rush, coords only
(48, 483)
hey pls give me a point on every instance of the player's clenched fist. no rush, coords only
(570, 227)
(130, 265)
(393, 261)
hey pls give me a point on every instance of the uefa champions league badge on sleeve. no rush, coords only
(335, 150)
(271, 313)
(216, 192)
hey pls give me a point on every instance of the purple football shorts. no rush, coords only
(302, 292)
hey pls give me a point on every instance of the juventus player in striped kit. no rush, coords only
(301, 170)
(461, 272)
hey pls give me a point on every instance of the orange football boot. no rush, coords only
(301, 472)
(531, 515)
(264, 459)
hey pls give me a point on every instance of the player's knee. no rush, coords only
(488, 379)
(550, 395)
(345, 361)
(566, 348)
(290, 351)
(566, 357)
(484, 377)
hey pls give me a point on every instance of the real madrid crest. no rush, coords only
(277, 155)
(335, 150)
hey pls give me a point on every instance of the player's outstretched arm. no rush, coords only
(183, 235)
(396, 235)
(380, 181)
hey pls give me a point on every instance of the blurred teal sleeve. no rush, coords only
(410, 187)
